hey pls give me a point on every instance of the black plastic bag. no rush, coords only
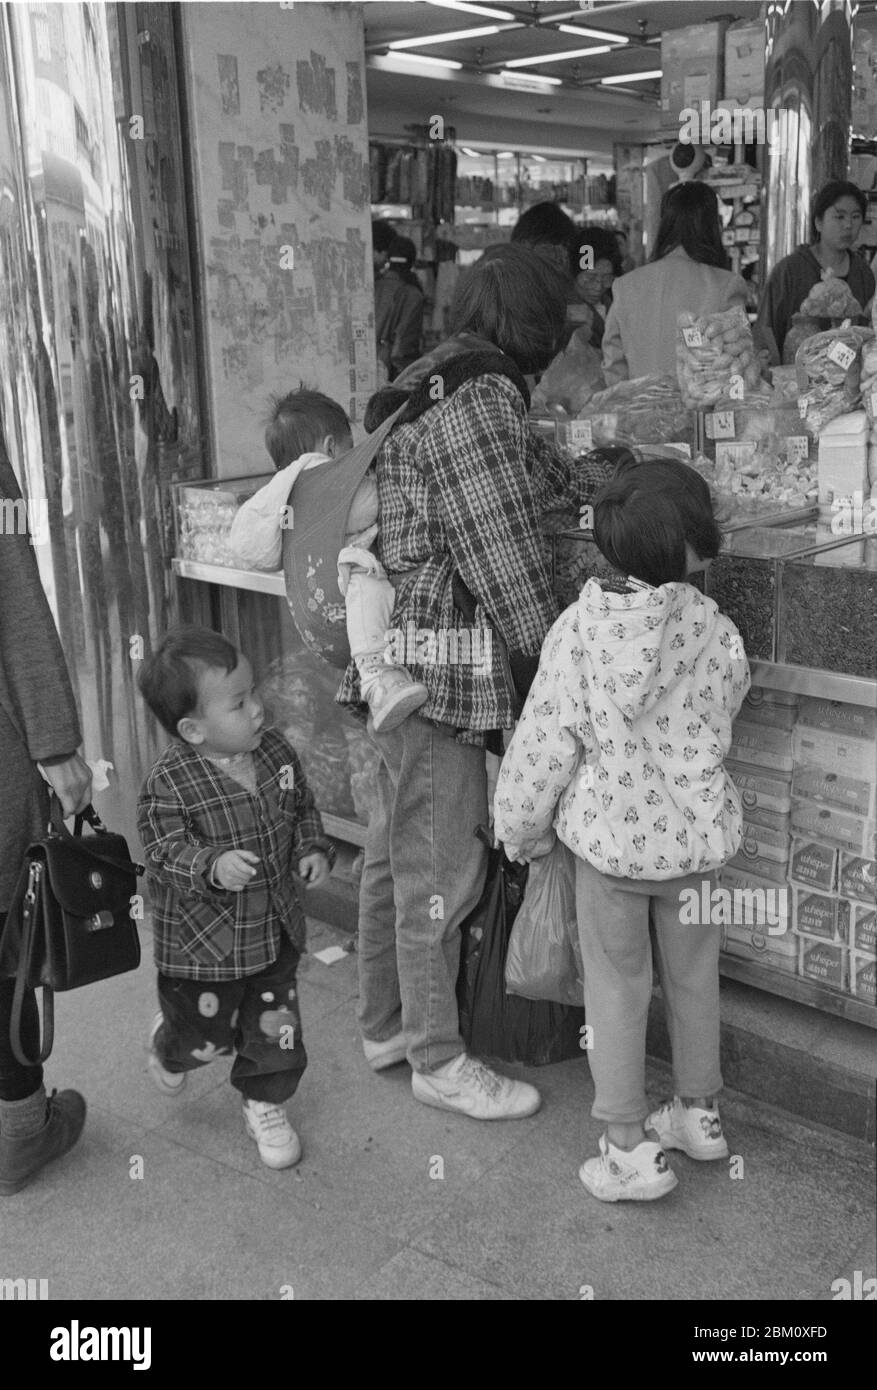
(494, 1023)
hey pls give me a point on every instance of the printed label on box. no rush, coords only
(797, 447)
(814, 914)
(857, 878)
(842, 354)
(863, 977)
(823, 961)
(581, 434)
(720, 424)
(863, 934)
(813, 864)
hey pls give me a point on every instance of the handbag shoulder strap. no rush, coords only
(24, 902)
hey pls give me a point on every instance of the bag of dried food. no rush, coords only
(827, 306)
(644, 410)
(571, 379)
(829, 368)
(712, 350)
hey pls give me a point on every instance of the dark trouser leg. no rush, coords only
(271, 1056)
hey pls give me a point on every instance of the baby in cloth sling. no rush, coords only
(307, 429)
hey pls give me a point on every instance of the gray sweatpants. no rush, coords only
(613, 920)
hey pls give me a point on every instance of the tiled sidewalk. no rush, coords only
(362, 1218)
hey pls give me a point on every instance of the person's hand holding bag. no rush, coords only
(70, 780)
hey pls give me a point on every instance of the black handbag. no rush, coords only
(69, 923)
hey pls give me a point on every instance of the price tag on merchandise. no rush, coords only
(720, 425)
(581, 434)
(803, 403)
(693, 337)
(841, 354)
(797, 448)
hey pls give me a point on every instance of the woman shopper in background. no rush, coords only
(38, 724)
(399, 309)
(835, 223)
(688, 271)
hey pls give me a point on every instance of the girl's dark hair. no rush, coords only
(382, 234)
(826, 198)
(168, 679)
(515, 299)
(299, 421)
(543, 222)
(647, 511)
(603, 244)
(690, 219)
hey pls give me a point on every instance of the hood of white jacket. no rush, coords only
(629, 722)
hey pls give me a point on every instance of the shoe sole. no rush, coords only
(156, 1071)
(399, 711)
(651, 1193)
(670, 1141)
(440, 1103)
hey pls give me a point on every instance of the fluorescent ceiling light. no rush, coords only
(630, 77)
(473, 9)
(422, 58)
(592, 33)
(505, 154)
(446, 38)
(555, 57)
(473, 154)
(533, 77)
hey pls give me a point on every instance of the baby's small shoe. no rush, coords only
(691, 1128)
(636, 1175)
(170, 1083)
(393, 696)
(275, 1138)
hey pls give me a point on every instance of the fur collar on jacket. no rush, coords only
(462, 360)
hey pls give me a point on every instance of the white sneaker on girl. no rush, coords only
(691, 1128)
(621, 1175)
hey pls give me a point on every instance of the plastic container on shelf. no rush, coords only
(742, 580)
(203, 514)
(827, 608)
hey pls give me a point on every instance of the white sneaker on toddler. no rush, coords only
(393, 696)
(628, 1175)
(170, 1083)
(276, 1140)
(691, 1128)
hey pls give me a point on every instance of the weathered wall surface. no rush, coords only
(280, 147)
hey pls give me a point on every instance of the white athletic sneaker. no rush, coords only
(638, 1175)
(393, 697)
(170, 1083)
(471, 1088)
(388, 1053)
(277, 1141)
(695, 1131)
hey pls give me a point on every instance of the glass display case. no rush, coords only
(203, 514)
(827, 607)
(743, 580)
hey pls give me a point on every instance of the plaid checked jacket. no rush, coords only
(188, 814)
(465, 486)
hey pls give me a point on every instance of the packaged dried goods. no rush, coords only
(857, 878)
(863, 977)
(828, 611)
(823, 961)
(644, 410)
(829, 368)
(204, 517)
(713, 351)
(814, 914)
(572, 378)
(813, 864)
(831, 298)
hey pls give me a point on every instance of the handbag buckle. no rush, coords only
(99, 921)
(30, 895)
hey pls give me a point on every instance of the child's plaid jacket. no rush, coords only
(189, 814)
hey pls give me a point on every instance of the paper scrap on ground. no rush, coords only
(330, 955)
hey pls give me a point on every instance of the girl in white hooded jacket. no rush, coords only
(621, 747)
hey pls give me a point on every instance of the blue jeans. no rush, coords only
(423, 873)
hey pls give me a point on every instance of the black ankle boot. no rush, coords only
(22, 1158)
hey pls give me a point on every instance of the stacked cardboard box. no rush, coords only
(834, 845)
(691, 68)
